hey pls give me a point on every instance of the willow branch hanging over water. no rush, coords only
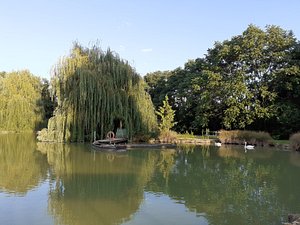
(96, 90)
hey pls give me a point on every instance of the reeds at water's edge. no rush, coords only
(241, 136)
(295, 141)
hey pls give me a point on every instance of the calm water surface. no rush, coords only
(71, 184)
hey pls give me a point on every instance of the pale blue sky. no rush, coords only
(151, 34)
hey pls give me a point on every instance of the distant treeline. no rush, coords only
(251, 81)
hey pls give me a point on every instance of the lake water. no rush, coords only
(72, 185)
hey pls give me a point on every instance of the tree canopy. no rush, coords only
(250, 81)
(97, 91)
(21, 107)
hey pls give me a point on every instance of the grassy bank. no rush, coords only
(233, 137)
(281, 142)
(173, 137)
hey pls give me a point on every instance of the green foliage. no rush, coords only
(47, 100)
(20, 101)
(287, 87)
(248, 65)
(287, 119)
(177, 85)
(157, 83)
(166, 114)
(250, 81)
(93, 90)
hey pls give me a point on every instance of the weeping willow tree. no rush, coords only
(21, 107)
(94, 89)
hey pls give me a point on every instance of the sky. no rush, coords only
(151, 35)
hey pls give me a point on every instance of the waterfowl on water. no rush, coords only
(218, 144)
(248, 146)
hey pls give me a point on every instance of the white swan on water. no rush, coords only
(248, 146)
(219, 144)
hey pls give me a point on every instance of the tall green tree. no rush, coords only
(246, 67)
(166, 114)
(95, 90)
(249, 81)
(20, 101)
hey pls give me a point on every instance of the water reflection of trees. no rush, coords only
(227, 187)
(21, 169)
(166, 162)
(227, 190)
(96, 188)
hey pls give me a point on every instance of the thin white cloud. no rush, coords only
(147, 50)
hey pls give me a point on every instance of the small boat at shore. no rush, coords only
(113, 141)
(121, 144)
(110, 144)
(109, 147)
